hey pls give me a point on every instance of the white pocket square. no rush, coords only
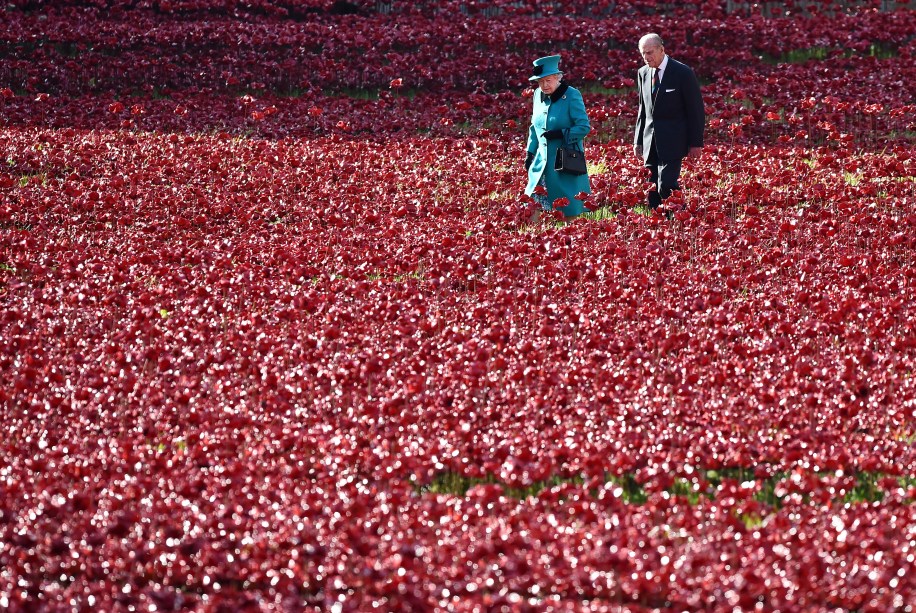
(668, 91)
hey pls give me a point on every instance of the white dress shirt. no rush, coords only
(661, 68)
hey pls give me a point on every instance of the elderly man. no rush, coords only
(671, 118)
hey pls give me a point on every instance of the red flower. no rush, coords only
(396, 83)
(540, 190)
(559, 203)
(582, 196)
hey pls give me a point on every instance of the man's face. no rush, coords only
(652, 54)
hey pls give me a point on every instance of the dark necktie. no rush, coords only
(655, 83)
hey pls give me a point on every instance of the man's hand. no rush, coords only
(637, 151)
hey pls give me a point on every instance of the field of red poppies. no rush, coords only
(275, 336)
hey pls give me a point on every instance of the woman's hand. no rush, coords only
(528, 160)
(553, 134)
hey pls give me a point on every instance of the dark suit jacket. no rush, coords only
(676, 118)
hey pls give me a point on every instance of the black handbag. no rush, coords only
(569, 159)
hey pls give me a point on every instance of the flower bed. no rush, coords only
(286, 353)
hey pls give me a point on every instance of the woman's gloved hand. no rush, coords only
(553, 134)
(528, 160)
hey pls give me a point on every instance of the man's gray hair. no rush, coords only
(651, 39)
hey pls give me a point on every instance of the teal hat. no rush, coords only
(545, 66)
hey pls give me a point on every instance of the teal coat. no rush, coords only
(564, 110)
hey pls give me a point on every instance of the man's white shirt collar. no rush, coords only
(662, 66)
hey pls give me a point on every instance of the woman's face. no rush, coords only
(550, 84)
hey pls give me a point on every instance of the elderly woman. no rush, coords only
(558, 119)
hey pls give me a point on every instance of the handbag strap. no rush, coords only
(566, 142)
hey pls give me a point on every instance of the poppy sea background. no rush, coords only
(275, 334)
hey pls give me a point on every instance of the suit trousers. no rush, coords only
(665, 175)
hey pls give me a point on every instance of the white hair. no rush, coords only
(651, 38)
